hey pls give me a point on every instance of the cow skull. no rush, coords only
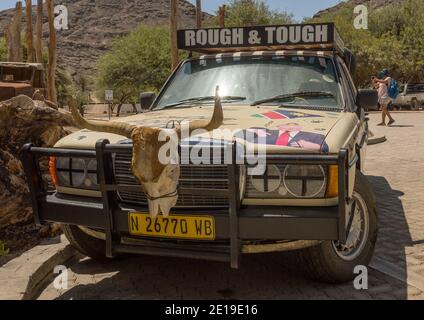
(158, 180)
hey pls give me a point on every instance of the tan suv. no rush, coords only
(295, 100)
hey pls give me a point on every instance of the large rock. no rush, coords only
(23, 120)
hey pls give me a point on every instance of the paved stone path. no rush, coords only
(395, 169)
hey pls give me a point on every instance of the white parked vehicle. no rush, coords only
(411, 96)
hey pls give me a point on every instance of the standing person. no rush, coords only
(383, 83)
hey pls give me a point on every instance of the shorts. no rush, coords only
(385, 101)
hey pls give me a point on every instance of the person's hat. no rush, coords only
(385, 72)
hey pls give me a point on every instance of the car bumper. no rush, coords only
(254, 223)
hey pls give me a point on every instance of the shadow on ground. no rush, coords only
(394, 235)
(264, 276)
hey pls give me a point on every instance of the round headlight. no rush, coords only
(304, 181)
(91, 174)
(71, 172)
(268, 182)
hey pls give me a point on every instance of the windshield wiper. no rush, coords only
(282, 97)
(191, 101)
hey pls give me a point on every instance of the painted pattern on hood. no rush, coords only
(313, 127)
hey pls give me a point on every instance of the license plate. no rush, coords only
(175, 226)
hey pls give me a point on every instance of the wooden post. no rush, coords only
(51, 86)
(39, 33)
(174, 27)
(14, 35)
(28, 29)
(222, 10)
(199, 13)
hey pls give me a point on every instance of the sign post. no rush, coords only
(109, 100)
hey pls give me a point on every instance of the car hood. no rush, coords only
(283, 130)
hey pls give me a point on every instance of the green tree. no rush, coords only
(3, 49)
(394, 40)
(67, 87)
(137, 62)
(251, 13)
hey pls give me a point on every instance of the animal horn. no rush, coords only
(209, 125)
(120, 128)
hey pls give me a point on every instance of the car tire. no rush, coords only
(325, 262)
(85, 244)
(414, 105)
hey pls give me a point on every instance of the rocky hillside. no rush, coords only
(94, 23)
(371, 4)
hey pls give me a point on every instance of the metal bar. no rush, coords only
(296, 159)
(343, 192)
(33, 179)
(181, 190)
(118, 148)
(205, 192)
(105, 172)
(63, 152)
(233, 201)
(166, 252)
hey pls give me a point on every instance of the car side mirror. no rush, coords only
(146, 100)
(367, 99)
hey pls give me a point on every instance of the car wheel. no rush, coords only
(84, 243)
(414, 105)
(334, 262)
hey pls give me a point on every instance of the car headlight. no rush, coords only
(288, 182)
(308, 181)
(74, 172)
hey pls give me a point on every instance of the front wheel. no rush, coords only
(414, 105)
(86, 244)
(334, 262)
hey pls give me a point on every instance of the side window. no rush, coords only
(350, 80)
(351, 89)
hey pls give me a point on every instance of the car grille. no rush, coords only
(192, 176)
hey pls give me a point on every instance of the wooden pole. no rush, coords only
(51, 86)
(14, 35)
(199, 13)
(39, 33)
(174, 27)
(28, 29)
(222, 10)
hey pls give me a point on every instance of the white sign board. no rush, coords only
(109, 95)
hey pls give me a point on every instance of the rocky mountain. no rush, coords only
(93, 24)
(371, 4)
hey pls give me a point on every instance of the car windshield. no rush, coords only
(270, 80)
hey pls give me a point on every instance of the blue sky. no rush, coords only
(300, 8)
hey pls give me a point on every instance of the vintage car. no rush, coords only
(290, 88)
(20, 79)
(411, 96)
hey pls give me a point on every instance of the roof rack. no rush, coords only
(311, 36)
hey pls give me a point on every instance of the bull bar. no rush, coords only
(236, 224)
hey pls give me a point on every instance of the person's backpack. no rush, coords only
(393, 90)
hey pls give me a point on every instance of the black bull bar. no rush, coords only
(321, 223)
